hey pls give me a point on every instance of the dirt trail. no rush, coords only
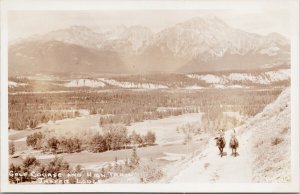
(210, 167)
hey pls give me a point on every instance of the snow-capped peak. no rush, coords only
(184, 47)
(203, 21)
(79, 35)
(276, 38)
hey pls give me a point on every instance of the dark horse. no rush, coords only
(234, 144)
(221, 144)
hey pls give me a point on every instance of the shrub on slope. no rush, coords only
(271, 141)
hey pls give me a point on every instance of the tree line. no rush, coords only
(113, 137)
(123, 106)
(31, 164)
(58, 168)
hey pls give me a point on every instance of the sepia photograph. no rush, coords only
(151, 94)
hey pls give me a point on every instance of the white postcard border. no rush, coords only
(291, 5)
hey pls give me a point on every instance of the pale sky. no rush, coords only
(22, 24)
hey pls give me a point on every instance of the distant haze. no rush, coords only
(202, 43)
(23, 24)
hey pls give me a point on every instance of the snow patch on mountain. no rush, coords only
(12, 84)
(194, 87)
(211, 79)
(282, 74)
(85, 83)
(271, 51)
(262, 78)
(224, 86)
(79, 35)
(237, 86)
(219, 86)
(132, 85)
(208, 37)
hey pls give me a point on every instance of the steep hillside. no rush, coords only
(271, 141)
(263, 154)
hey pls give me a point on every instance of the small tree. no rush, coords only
(150, 138)
(78, 168)
(93, 111)
(11, 148)
(32, 124)
(134, 159)
(76, 113)
(109, 140)
(53, 143)
(98, 144)
(76, 144)
(115, 136)
(101, 121)
(15, 168)
(34, 140)
(136, 139)
(64, 146)
(57, 165)
(149, 172)
(116, 166)
(70, 145)
(104, 173)
(30, 161)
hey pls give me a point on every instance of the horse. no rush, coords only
(234, 144)
(221, 144)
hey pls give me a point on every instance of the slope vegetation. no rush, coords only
(271, 142)
(263, 155)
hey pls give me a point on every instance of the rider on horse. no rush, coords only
(221, 134)
(221, 141)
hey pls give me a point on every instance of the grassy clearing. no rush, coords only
(96, 160)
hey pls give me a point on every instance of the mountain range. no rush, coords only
(200, 44)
